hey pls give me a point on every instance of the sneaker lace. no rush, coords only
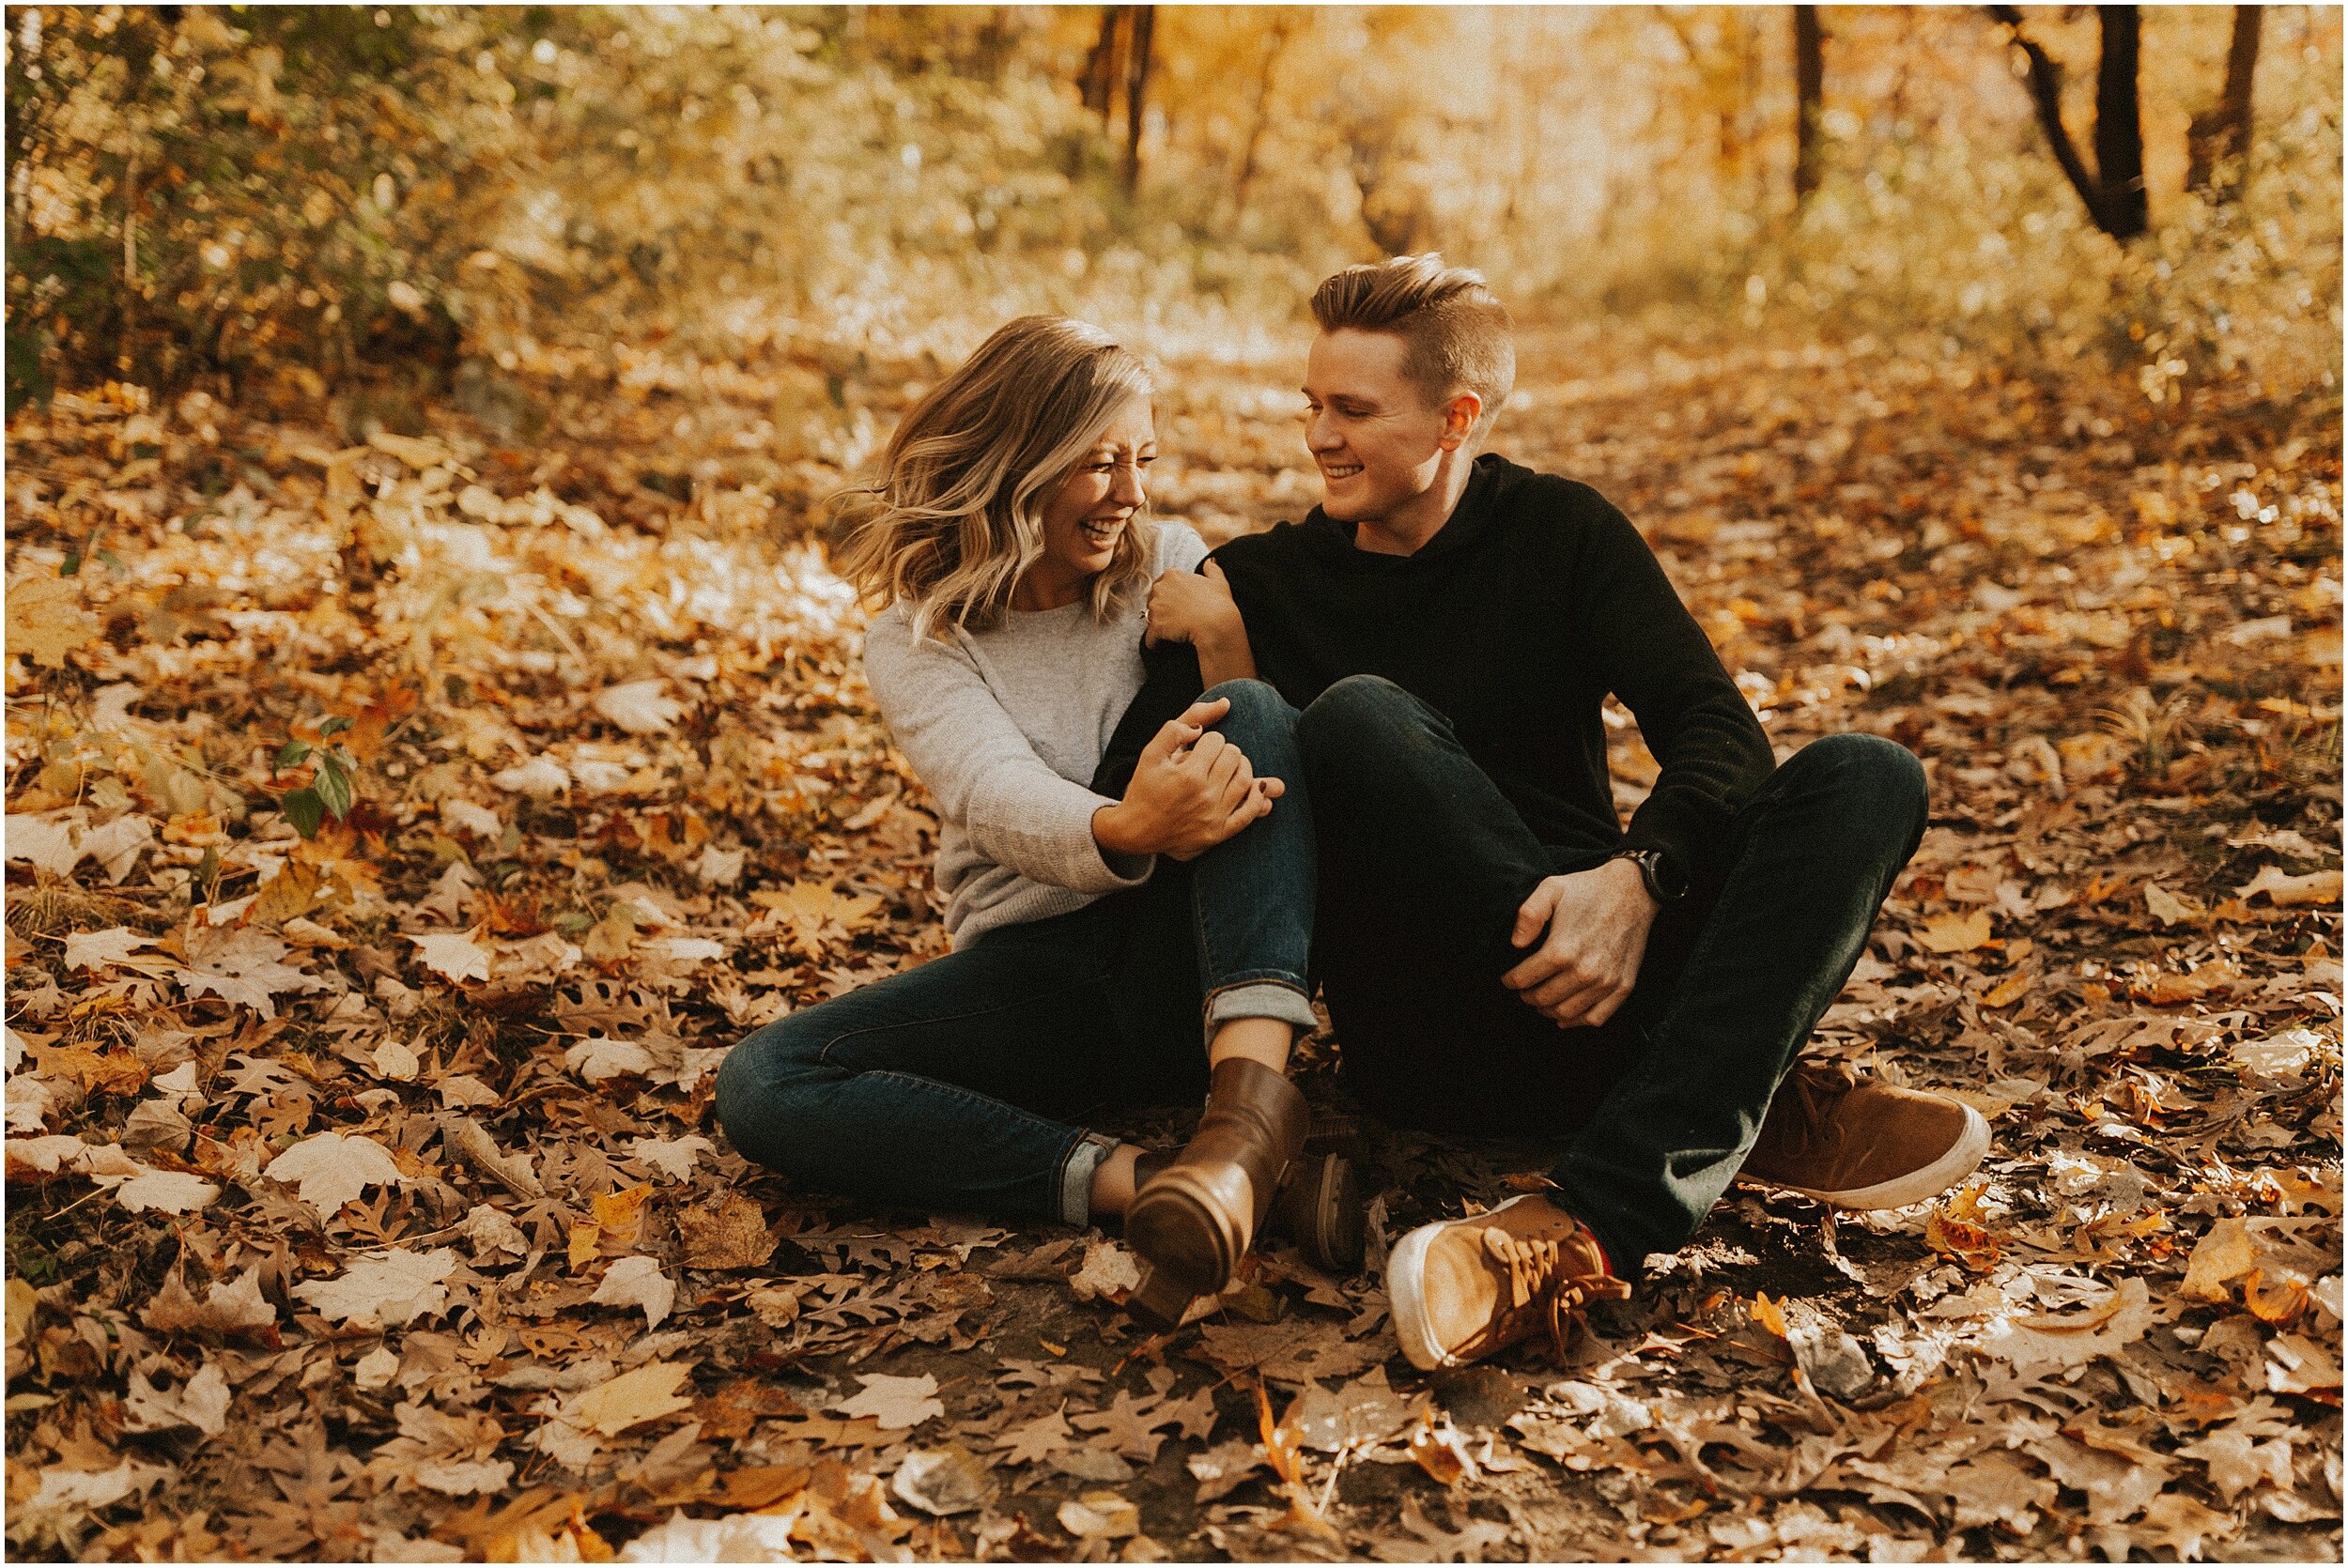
(1544, 1279)
(1816, 1089)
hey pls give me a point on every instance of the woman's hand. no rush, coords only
(1191, 790)
(1197, 607)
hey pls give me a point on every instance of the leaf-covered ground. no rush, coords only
(363, 1200)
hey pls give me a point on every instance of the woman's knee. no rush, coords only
(755, 1079)
(1254, 705)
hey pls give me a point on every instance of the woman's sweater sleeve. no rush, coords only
(981, 770)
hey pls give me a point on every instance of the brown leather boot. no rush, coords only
(1195, 1219)
(1319, 1207)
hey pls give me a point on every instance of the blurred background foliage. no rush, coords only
(290, 201)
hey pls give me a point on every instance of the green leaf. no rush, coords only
(333, 726)
(305, 810)
(333, 789)
(291, 753)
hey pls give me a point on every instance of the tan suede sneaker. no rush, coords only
(1461, 1290)
(1857, 1144)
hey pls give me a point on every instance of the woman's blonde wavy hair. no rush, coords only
(954, 512)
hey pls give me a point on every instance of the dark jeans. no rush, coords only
(1424, 866)
(955, 1085)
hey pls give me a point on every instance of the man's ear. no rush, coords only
(1459, 420)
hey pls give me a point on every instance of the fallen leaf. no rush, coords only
(334, 1168)
(385, 1289)
(895, 1403)
(454, 957)
(631, 1399)
(636, 1281)
(1953, 932)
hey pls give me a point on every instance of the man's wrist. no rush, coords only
(1633, 877)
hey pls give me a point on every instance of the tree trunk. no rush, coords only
(1260, 119)
(1137, 88)
(2222, 134)
(2120, 124)
(1101, 66)
(2113, 195)
(1809, 89)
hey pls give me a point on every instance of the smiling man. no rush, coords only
(1499, 953)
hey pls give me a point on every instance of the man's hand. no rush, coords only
(1197, 607)
(1597, 923)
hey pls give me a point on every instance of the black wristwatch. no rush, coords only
(1665, 884)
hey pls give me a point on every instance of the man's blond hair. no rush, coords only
(1458, 332)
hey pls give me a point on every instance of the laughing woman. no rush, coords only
(1124, 934)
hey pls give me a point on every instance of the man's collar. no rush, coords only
(1469, 515)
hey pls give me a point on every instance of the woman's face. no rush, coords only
(1088, 514)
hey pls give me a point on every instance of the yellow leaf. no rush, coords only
(2006, 992)
(1955, 933)
(2166, 907)
(586, 1244)
(2284, 890)
(293, 892)
(618, 1214)
(631, 1399)
(46, 620)
(1770, 1315)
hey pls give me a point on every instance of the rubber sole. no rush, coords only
(1184, 1233)
(1327, 1217)
(1961, 1160)
(1406, 1290)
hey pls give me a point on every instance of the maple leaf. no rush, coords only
(46, 620)
(631, 1399)
(673, 1157)
(2285, 891)
(640, 707)
(101, 950)
(1032, 1442)
(386, 1289)
(636, 1281)
(1955, 933)
(168, 1191)
(598, 1059)
(242, 965)
(1128, 1425)
(894, 1403)
(542, 778)
(202, 1403)
(456, 958)
(463, 816)
(334, 1168)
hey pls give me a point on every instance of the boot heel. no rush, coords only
(1161, 1299)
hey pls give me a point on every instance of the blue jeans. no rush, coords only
(1424, 866)
(957, 1085)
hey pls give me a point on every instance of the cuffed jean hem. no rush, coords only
(1260, 999)
(1084, 1157)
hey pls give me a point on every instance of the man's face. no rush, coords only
(1370, 428)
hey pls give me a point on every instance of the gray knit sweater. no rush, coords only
(1006, 727)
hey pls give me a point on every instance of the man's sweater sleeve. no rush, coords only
(985, 775)
(1647, 648)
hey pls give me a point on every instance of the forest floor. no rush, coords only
(364, 1198)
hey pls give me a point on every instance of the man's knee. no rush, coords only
(1881, 774)
(1354, 715)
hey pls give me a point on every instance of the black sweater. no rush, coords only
(1535, 600)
